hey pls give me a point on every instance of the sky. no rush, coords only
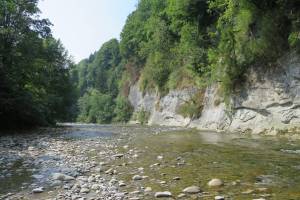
(84, 25)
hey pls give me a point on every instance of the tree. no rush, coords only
(34, 78)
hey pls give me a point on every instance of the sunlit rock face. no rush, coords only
(268, 101)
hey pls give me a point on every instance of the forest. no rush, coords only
(35, 84)
(164, 45)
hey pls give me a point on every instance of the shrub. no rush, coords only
(123, 109)
(192, 108)
(143, 116)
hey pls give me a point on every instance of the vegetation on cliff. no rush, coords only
(175, 44)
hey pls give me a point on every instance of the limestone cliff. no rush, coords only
(267, 101)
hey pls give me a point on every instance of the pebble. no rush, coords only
(137, 177)
(249, 191)
(163, 194)
(38, 190)
(192, 190)
(219, 198)
(148, 189)
(181, 195)
(95, 187)
(84, 190)
(215, 182)
(122, 184)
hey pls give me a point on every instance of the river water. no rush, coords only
(168, 158)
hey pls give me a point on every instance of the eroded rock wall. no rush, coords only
(268, 101)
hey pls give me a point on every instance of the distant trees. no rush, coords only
(35, 88)
(97, 80)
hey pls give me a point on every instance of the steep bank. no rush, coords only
(268, 101)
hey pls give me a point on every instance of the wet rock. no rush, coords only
(38, 190)
(163, 194)
(215, 183)
(192, 190)
(137, 177)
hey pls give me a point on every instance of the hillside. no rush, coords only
(179, 45)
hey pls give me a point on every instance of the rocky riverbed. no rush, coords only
(135, 162)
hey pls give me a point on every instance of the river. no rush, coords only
(135, 162)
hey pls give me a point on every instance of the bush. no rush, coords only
(95, 107)
(192, 108)
(143, 116)
(123, 110)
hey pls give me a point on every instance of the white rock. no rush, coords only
(148, 189)
(38, 190)
(84, 190)
(137, 178)
(163, 194)
(192, 190)
(215, 183)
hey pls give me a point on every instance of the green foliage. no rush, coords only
(192, 108)
(98, 80)
(171, 44)
(123, 109)
(143, 116)
(35, 88)
(95, 107)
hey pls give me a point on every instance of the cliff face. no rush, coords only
(268, 101)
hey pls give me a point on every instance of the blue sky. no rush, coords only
(84, 25)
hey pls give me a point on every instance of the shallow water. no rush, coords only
(270, 166)
(243, 162)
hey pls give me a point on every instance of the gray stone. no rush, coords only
(137, 177)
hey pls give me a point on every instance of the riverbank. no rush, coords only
(136, 162)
